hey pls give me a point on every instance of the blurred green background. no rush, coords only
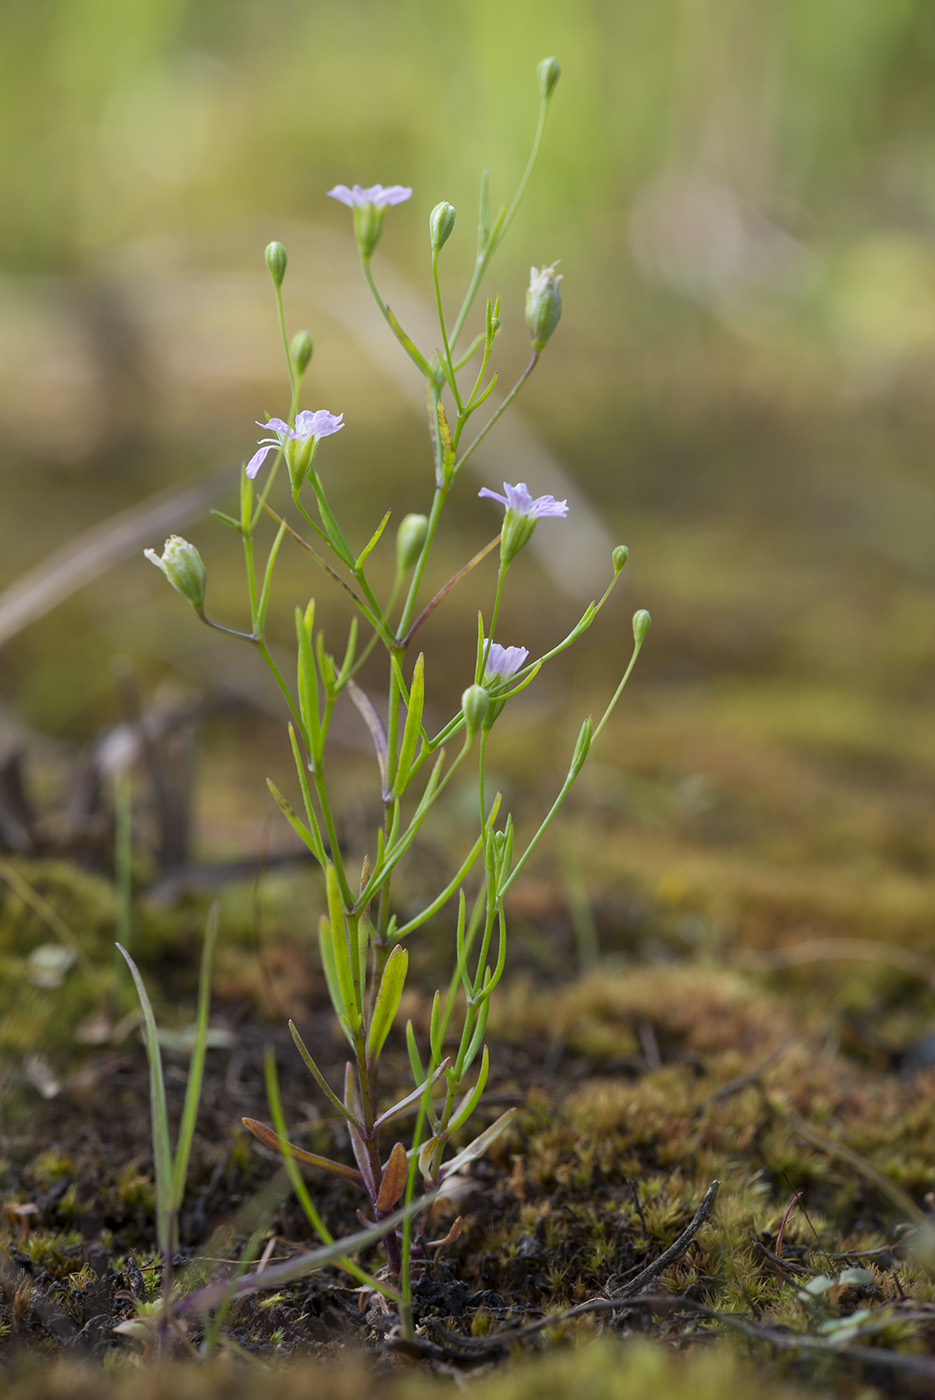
(743, 200)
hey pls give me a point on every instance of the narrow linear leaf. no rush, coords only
(412, 1099)
(372, 542)
(316, 1073)
(270, 1138)
(308, 679)
(162, 1151)
(473, 1098)
(339, 943)
(387, 1001)
(329, 966)
(197, 1063)
(311, 839)
(479, 1146)
(413, 727)
(374, 724)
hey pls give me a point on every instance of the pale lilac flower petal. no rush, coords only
(517, 498)
(504, 662)
(319, 423)
(257, 460)
(381, 196)
(276, 424)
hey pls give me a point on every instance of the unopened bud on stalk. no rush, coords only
(543, 304)
(301, 350)
(620, 556)
(441, 223)
(410, 537)
(641, 625)
(475, 702)
(183, 567)
(276, 262)
(549, 71)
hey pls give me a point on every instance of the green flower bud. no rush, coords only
(300, 351)
(276, 262)
(620, 556)
(183, 567)
(549, 71)
(543, 304)
(475, 702)
(410, 537)
(641, 625)
(441, 223)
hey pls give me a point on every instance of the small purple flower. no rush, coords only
(369, 209)
(298, 441)
(503, 662)
(517, 498)
(522, 512)
(381, 196)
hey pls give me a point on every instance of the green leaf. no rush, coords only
(413, 729)
(196, 1064)
(308, 680)
(372, 542)
(408, 345)
(228, 520)
(387, 1002)
(343, 963)
(471, 1099)
(312, 839)
(162, 1150)
(330, 968)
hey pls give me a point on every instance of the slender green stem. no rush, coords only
(415, 583)
(498, 414)
(484, 254)
(569, 781)
(293, 387)
(431, 909)
(482, 660)
(417, 358)
(451, 377)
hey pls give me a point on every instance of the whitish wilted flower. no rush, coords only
(522, 512)
(298, 443)
(183, 567)
(369, 206)
(543, 304)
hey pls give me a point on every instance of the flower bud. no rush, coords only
(276, 262)
(549, 71)
(543, 304)
(475, 702)
(441, 223)
(368, 225)
(300, 351)
(620, 556)
(641, 625)
(410, 537)
(183, 567)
